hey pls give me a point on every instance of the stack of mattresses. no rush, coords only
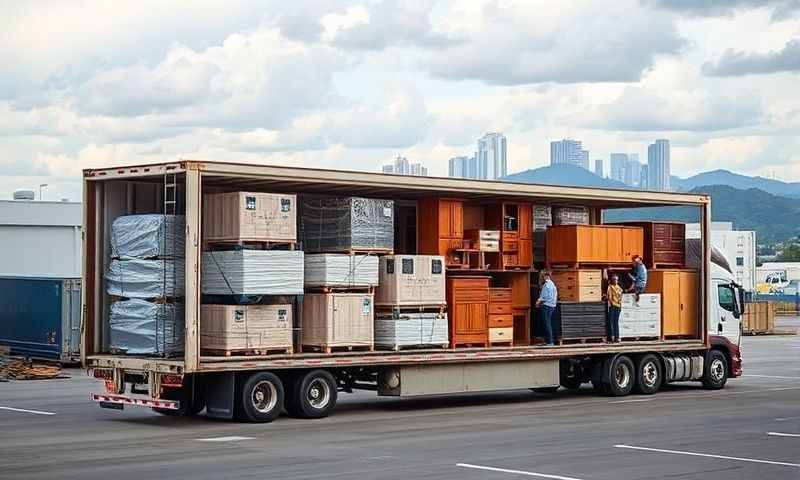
(338, 270)
(252, 272)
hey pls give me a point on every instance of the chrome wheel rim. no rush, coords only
(622, 375)
(318, 394)
(650, 374)
(717, 370)
(264, 397)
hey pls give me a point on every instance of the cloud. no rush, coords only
(530, 43)
(640, 109)
(781, 9)
(733, 63)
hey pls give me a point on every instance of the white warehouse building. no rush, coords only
(738, 246)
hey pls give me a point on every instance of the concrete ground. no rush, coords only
(751, 429)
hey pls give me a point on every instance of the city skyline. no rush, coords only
(490, 161)
(569, 151)
(401, 166)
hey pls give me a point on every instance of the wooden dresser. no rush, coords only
(593, 244)
(582, 285)
(468, 310)
(680, 301)
(501, 317)
(441, 227)
(664, 244)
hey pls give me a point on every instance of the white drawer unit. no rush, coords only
(642, 319)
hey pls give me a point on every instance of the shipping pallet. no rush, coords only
(401, 309)
(364, 290)
(246, 352)
(338, 348)
(582, 340)
(422, 346)
(469, 345)
(236, 245)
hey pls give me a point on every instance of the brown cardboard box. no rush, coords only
(246, 327)
(247, 216)
(411, 280)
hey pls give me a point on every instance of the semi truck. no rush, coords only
(259, 388)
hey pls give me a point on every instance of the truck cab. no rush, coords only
(727, 307)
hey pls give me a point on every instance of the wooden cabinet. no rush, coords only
(441, 227)
(515, 223)
(501, 319)
(664, 244)
(680, 301)
(593, 244)
(582, 285)
(468, 310)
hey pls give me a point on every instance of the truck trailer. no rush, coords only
(260, 387)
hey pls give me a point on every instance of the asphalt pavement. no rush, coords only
(751, 429)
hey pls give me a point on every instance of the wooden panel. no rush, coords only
(525, 213)
(456, 218)
(615, 245)
(680, 290)
(525, 253)
(690, 296)
(498, 335)
(632, 243)
(580, 294)
(501, 320)
(473, 217)
(601, 244)
(468, 310)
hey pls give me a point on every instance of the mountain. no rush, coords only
(735, 180)
(774, 218)
(564, 174)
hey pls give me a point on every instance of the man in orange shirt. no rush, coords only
(614, 296)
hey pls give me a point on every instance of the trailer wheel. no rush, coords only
(715, 373)
(622, 376)
(260, 398)
(649, 375)
(312, 395)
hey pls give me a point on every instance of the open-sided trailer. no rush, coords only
(259, 388)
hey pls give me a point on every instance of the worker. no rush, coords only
(614, 297)
(638, 276)
(548, 299)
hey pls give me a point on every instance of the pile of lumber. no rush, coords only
(23, 369)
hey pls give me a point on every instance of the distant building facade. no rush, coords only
(569, 151)
(598, 167)
(619, 162)
(462, 167)
(658, 170)
(643, 177)
(402, 166)
(738, 246)
(633, 170)
(492, 156)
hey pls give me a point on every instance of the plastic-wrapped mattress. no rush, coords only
(253, 272)
(137, 278)
(148, 236)
(139, 327)
(340, 270)
(335, 224)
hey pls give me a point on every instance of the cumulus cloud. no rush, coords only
(734, 63)
(781, 9)
(579, 42)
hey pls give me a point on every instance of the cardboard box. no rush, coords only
(411, 280)
(246, 327)
(250, 216)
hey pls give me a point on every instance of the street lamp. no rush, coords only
(41, 186)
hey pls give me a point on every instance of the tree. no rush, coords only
(790, 253)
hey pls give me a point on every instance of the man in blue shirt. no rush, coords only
(639, 276)
(548, 299)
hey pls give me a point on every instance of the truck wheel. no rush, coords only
(649, 375)
(260, 398)
(312, 395)
(715, 373)
(622, 376)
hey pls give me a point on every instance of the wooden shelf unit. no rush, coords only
(515, 223)
(468, 310)
(441, 228)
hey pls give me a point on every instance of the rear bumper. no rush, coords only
(123, 400)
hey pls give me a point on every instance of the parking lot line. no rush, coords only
(24, 410)
(770, 376)
(709, 455)
(232, 438)
(779, 434)
(785, 419)
(515, 472)
(638, 400)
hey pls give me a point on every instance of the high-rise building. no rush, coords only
(462, 167)
(598, 167)
(402, 166)
(388, 168)
(418, 170)
(643, 177)
(633, 170)
(619, 163)
(658, 171)
(569, 151)
(492, 156)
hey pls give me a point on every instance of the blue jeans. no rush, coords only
(613, 321)
(547, 316)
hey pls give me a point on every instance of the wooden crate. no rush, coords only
(574, 245)
(230, 329)
(680, 301)
(249, 216)
(405, 280)
(758, 318)
(335, 320)
(584, 285)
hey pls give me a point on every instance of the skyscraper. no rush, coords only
(462, 167)
(569, 151)
(633, 170)
(401, 166)
(643, 178)
(658, 171)
(619, 163)
(491, 156)
(598, 167)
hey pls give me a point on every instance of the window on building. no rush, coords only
(739, 261)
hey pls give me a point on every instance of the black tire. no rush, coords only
(715, 370)
(190, 405)
(622, 376)
(545, 390)
(649, 375)
(312, 394)
(571, 383)
(259, 398)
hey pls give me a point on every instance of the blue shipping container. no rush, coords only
(40, 317)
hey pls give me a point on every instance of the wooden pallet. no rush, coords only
(507, 343)
(249, 245)
(246, 352)
(470, 345)
(427, 346)
(440, 308)
(338, 348)
(639, 339)
(582, 340)
(364, 290)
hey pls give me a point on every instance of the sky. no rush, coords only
(352, 84)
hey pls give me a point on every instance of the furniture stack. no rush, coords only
(640, 320)
(252, 274)
(146, 277)
(410, 302)
(580, 294)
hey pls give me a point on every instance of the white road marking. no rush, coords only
(708, 455)
(779, 434)
(37, 412)
(515, 472)
(771, 376)
(232, 438)
(784, 419)
(634, 401)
